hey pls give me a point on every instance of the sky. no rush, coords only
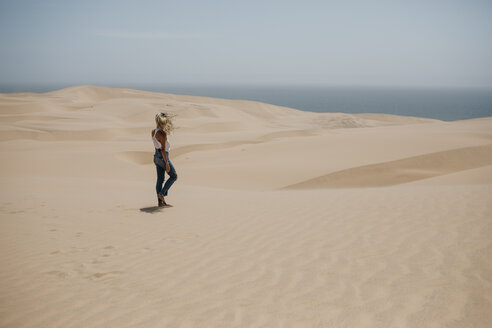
(109, 42)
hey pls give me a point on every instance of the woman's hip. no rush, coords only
(159, 160)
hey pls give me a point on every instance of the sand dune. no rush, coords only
(142, 157)
(404, 170)
(280, 218)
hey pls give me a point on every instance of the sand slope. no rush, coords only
(281, 218)
(405, 170)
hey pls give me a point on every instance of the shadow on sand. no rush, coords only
(153, 209)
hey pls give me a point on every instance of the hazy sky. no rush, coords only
(367, 42)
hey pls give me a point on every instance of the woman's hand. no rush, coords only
(168, 168)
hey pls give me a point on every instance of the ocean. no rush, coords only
(447, 104)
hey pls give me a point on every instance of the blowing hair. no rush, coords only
(164, 122)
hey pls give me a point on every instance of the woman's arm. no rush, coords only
(162, 137)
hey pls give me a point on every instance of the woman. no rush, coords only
(164, 126)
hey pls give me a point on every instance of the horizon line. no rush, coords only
(53, 86)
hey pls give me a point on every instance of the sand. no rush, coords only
(280, 218)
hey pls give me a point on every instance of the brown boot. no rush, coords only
(160, 202)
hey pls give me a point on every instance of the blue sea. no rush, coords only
(447, 104)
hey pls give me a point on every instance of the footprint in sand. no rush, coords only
(98, 275)
(16, 212)
(59, 274)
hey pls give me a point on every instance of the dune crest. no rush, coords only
(403, 170)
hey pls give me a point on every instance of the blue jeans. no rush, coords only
(160, 166)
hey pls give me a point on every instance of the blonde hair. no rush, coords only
(164, 122)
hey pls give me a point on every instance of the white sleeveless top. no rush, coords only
(157, 143)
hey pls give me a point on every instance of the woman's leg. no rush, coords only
(160, 178)
(173, 176)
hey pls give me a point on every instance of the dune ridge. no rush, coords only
(279, 217)
(404, 170)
